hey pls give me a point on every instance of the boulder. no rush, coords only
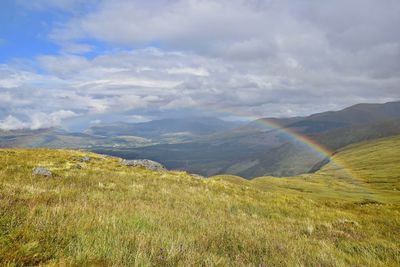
(85, 159)
(146, 163)
(42, 172)
(197, 176)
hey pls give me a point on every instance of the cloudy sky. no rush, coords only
(77, 62)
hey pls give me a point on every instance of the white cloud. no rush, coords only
(43, 120)
(263, 58)
(179, 103)
(12, 123)
(95, 122)
(190, 71)
(141, 23)
(137, 118)
(37, 120)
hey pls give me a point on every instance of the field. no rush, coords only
(106, 214)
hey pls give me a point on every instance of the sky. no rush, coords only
(75, 63)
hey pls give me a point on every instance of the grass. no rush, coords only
(106, 214)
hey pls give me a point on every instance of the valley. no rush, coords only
(210, 146)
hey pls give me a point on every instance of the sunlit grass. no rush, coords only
(106, 214)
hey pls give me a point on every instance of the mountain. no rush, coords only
(293, 158)
(59, 138)
(262, 124)
(166, 129)
(108, 214)
(342, 137)
(258, 149)
(355, 115)
(210, 146)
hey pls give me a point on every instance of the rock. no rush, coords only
(197, 176)
(107, 156)
(146, 163)
(42, 172)
(85, 159)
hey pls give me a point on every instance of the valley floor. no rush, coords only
(106, 214)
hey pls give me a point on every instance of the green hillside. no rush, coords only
(106, 214)
(211, 146)
(256, 149)
(374, 175)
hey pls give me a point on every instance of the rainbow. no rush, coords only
(309, 142)
(303, 139)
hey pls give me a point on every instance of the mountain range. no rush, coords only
(210, 146)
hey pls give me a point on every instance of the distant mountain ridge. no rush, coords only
(257, 149)
(59, 138)
(355, 115)
(181, 128)
(210, 146)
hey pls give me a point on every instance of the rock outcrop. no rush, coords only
(85, 159)
(41, 171)
(197, 176)
(146, 163)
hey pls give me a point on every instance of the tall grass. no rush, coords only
(106, 214)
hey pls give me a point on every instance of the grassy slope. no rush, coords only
(375, 174)
(107, 214)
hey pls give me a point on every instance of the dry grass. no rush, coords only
(106, 214)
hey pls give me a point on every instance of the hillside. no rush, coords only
(255, 153)
(211, 146)
(164, 130)
(355, 115)
(258, 149)
(374, 176)
(108, 214)
(342, 137)
(293, 158)
(59, 138)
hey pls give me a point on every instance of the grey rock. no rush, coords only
(146, 163)
(42, 172)
(197, 176)
(85, 159)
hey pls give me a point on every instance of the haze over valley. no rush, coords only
(210, 146)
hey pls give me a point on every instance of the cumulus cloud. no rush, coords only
(261, 58)
(37, 120)
(12, 123)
